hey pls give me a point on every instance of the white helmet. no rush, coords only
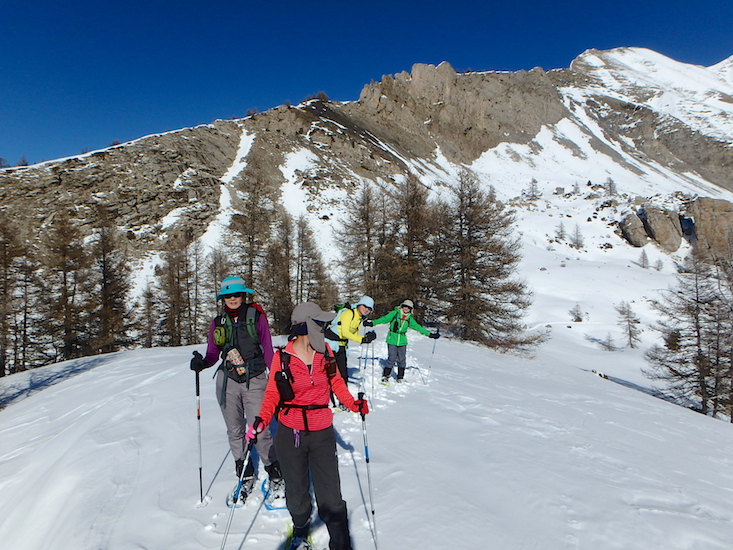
(407, 303)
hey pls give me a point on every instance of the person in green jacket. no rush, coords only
(399, 319)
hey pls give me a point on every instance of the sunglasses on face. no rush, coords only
(236, 295)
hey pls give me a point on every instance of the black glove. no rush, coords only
(368, 323)
(197, 363)
(368, 337)
(434, 335)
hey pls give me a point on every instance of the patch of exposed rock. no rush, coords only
(713, 219)
(464, 114)
(139, 183)
(710, 226)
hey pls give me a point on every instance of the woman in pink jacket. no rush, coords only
(298, 391)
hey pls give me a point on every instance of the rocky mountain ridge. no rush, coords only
(648, 123)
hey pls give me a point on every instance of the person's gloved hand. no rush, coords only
(369, 337)
(197, 362)
(434, 335)
(360, 406)
(255, 428)
(368, 323)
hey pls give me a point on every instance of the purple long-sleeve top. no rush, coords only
(263, 330)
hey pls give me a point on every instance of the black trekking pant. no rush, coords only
(340, 357)
(314, 457)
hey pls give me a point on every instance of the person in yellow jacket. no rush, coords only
(345, 327)
(399, 319)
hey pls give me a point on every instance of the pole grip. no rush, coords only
(360, 396)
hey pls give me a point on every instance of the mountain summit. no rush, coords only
(650, 124)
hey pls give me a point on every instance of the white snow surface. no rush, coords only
(475, 449)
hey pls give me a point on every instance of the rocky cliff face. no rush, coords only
(427, 123)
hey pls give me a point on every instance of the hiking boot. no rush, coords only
(249, 471)
(385, 379)
(299, 540)
(273, 470)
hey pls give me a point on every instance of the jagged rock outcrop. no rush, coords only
(633, 230)
(464, 114)
(713, 219)
(710, 221)
(663, 226)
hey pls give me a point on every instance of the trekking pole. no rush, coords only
(372, 372)
(369, 475)
(247, 452)
(430, 363)
(198, 416)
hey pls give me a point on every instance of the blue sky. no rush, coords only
(79, 75)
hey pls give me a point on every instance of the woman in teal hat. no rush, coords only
(240, 336)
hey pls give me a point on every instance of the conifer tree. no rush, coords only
(313, 282)
(220, 265)
(199, 298)
(644, 259)
(484, 301)
(173, 283)
(111, 278)
(10, 249)
(146, 316)
(408, 273)
(255, 205)
(560, 233)
(629, 322)
(276, 288)
(576, 238)
(576, 314)
(357, 241)
(384, 288)
(695, 325)
(30, 334)
(66, 285)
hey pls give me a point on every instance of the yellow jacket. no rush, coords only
(349, 321)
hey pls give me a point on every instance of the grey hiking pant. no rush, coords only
(396, 357)
(314, 457)
(244, 404)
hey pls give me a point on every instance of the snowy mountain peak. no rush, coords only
(699, 97)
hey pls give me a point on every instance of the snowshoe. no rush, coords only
(274, 491)
(299, 543)
(233, 499)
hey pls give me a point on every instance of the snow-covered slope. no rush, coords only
(700, 97)
(474, 449)
(523, 452)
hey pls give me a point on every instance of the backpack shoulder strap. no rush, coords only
(222, 330)
(251, 323)
(285, 362)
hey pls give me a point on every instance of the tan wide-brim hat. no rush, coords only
(315, 320)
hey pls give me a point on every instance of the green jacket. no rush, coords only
(398, 326)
